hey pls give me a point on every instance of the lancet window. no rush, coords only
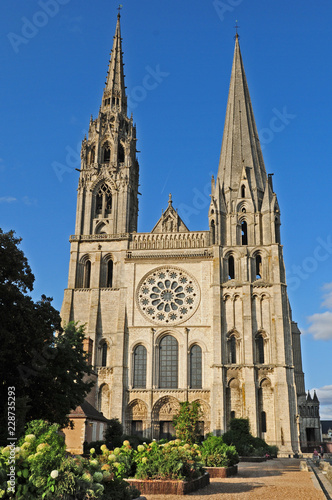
(87, 274)
(260, 355)
(139, 379)
(231, 268)
(106, 153)
(196, 367)
(244, 233)
(109, 278)
(104, 354)
(92, 154)
(168, 363)
(104, 201)
(231, 344)
(258, 265)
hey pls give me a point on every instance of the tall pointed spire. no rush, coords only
(240, 145)
(114, 96)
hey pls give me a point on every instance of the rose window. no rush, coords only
(168, 295)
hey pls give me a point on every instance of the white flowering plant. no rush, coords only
(44, 471)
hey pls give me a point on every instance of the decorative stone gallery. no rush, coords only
(176, 315)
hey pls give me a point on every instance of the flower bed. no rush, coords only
(172, 460)
(169, 487)
(221, 471)
(217, 454)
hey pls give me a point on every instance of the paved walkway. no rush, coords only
(279, 479)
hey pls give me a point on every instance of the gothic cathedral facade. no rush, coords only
(176, 315)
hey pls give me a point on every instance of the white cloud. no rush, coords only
(324, 395)
(29, 201)
(321, 323)
(327, 302)
(7, 199)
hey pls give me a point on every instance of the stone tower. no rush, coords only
(107, 193)
(177, 315)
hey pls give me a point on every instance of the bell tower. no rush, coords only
(107, 191)
(106, 215)
(263, 376)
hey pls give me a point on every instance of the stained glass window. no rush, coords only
(140, 367)
(196, 367)
(168, 363)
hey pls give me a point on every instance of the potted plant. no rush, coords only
(219, 459)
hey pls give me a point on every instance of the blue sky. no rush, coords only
(54, 57)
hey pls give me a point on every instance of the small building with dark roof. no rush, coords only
(89, 425)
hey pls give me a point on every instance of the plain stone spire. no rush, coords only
(240, 145)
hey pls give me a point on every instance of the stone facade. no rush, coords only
(175, 315)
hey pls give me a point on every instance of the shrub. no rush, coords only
(172, 460)
(186, 422)
(113, 434)
(215, 453)
(133, 440)
(93, 444)
(43, 471)
(245, 443)
(119, 462)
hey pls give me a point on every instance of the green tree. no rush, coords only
(45, 369)
(114, 433)
(186, 422)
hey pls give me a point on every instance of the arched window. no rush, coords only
(87, 274)
(232, 350)
(263, 421)
(213, 233)
(121, 153)
(109, 279)
(232, 414)
(244, 233)
(168, 363)
(104, 201)
(139, 379)
(231, 268)
(258, 267)
(92, 154)
(260, 349)
(243, 192)
(196, 367)
(277, 229)
(106, 153)
(104, 355)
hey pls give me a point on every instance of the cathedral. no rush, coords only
(176, 315)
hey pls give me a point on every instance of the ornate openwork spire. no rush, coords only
(114, 96)
(240, 145)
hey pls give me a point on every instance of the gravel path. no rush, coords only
(277, 479)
